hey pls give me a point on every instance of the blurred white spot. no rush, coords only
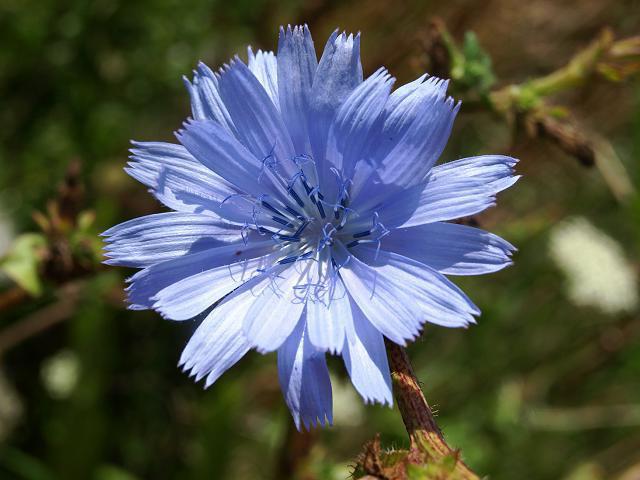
(60, 374)
(598, 274)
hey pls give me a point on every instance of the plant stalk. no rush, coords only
(424, 434)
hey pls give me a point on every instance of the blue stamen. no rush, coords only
(270, 207)
(295, 196)
(294, 258)
(301, 228)
(283, 222)
(319, 205)
(306, 186)
(294, 212)
(288, 260)
(285, 238)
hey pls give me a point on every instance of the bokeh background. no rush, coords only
(547, 386)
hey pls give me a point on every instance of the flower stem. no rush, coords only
(296, 447)
(424, 434)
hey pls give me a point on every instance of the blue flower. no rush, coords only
(308, 217)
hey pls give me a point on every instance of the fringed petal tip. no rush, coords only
(254, 56)
(511, 161)
(509, 182)
(309, 423)
(135, 307)
(338, 36)
(383, 74)
(193, 373)
(110, 261)
(462, 321)
(233, 64)
(386, 401)
(107, 233)
(263, 350)
(295, 30)
(204, 70)
(441, 85)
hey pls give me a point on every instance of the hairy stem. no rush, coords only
(577, 70)
(529, 95)
(424, 434)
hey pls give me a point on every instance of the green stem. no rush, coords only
(577, 71)
(529, 95)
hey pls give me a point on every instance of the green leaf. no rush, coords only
(477, 72)
(22, 261)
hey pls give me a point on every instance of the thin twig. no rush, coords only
(12, 297)
(530, 105)
(424, 434)
(40, 320)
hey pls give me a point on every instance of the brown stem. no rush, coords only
(295, 451)
(424, 434)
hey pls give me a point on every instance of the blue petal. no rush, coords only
(260, 126)
(326, 323)
(495, 171)
(218, 343)
(181, 182)
(265, 68)
(328, 309)
(206, 103)
(420, 84)
(146, 283)
(297, 65)
(451, 249)
(352, 130)
(338, 73)
(192, 295)
(276, 309)
(417, 123)
(454, 190)
(304, 379)
(226, 156)
(398, 294)
(436, 202)
(155, 238)
(365, 358)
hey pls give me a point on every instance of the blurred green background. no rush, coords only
(547, 386)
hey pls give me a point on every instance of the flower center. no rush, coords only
(302, 220)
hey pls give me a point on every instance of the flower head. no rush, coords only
(308, 217)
